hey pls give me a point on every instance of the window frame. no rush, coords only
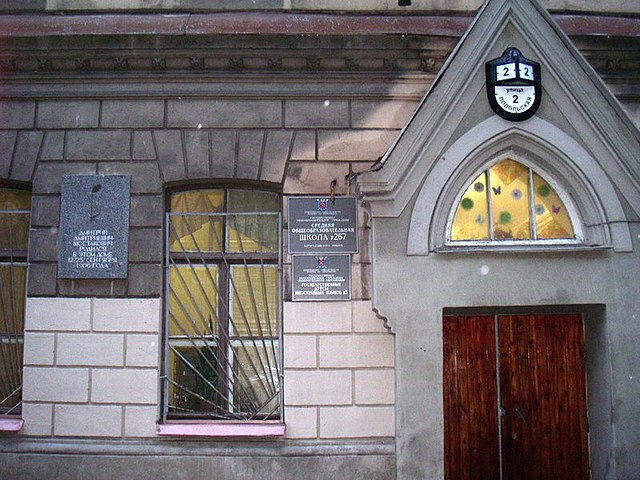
(515, 244)
(224, 262)
(11, 420)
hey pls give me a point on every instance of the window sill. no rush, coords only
(519, 247)
(221, 429)
(11, 424)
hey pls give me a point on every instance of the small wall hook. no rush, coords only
(332, 188)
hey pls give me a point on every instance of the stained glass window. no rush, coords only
(510, 202)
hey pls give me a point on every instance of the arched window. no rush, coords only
(509, 203)
(222, 333)
(15, 207)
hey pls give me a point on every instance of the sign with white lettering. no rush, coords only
(94, 226)
(322, 225)
(321, 277)
(513, 85)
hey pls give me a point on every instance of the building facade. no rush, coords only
(153, 319)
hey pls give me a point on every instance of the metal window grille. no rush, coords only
(222, 357)
(14, 231)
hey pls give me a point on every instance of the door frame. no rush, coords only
(597, 368)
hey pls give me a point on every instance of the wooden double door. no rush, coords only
(515, 397)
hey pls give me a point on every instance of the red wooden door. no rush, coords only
(530, 368)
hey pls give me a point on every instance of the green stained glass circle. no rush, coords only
(466, 203)
(544, 190)
(505, 217)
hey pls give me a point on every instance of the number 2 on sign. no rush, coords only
(506, 71)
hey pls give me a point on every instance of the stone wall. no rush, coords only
(395, 6)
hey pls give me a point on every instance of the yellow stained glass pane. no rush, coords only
(193, 233)
(552, 217)
(509, 182)
(13, 279)
(12, 199)
(193, 301)
(254, 308)
(471, 219)
(252, 233)
(14, 227)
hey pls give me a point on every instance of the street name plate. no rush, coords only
(321, 277)
(94, 226)
(320, 225)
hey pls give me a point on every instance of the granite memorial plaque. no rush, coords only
(94, 226)
(321, 225)
(321, 277)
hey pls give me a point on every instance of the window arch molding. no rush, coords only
(538, 144)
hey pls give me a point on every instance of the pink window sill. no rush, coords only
(222, 429)
(11, 424)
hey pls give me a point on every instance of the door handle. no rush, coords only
(520, 415)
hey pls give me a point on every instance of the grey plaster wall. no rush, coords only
(313, 5)
(195, 460)
(530, 282)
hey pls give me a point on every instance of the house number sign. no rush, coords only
(513, 85)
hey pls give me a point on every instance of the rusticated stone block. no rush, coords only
(53, 146)
(7, 145)
(276, 150)
(58, 314)
(302, 422)
(90, 349)
(26, 155)
(381, 114)
(317, 317)
(249, 153)
(147, 210)
(224, 113)
(126, 315)
(316, 177)
(45, 211)
(304, 145)
(114, 386)
(316, 113)
(43, 244)
(170, 154)
(43, 384)
(42, 279)
(145, 177)
(197, 148)
(48, 176)
(17, 114)
(318, 387)
(354, 145)
(223, 153)
(145, 280)
(145, 245)
(345, 422)
(88, 420)
(68, 114)
(357, 350)
(98, 145)
(132, 113)
(143, 147)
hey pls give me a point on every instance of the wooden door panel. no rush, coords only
(470, 398)
(542, 384)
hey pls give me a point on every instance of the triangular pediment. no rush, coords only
(575, 103)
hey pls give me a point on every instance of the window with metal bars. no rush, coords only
(222, 310)
(15, 208)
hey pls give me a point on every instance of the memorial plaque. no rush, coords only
(322, 225)
(94, 226)
(321, 277)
